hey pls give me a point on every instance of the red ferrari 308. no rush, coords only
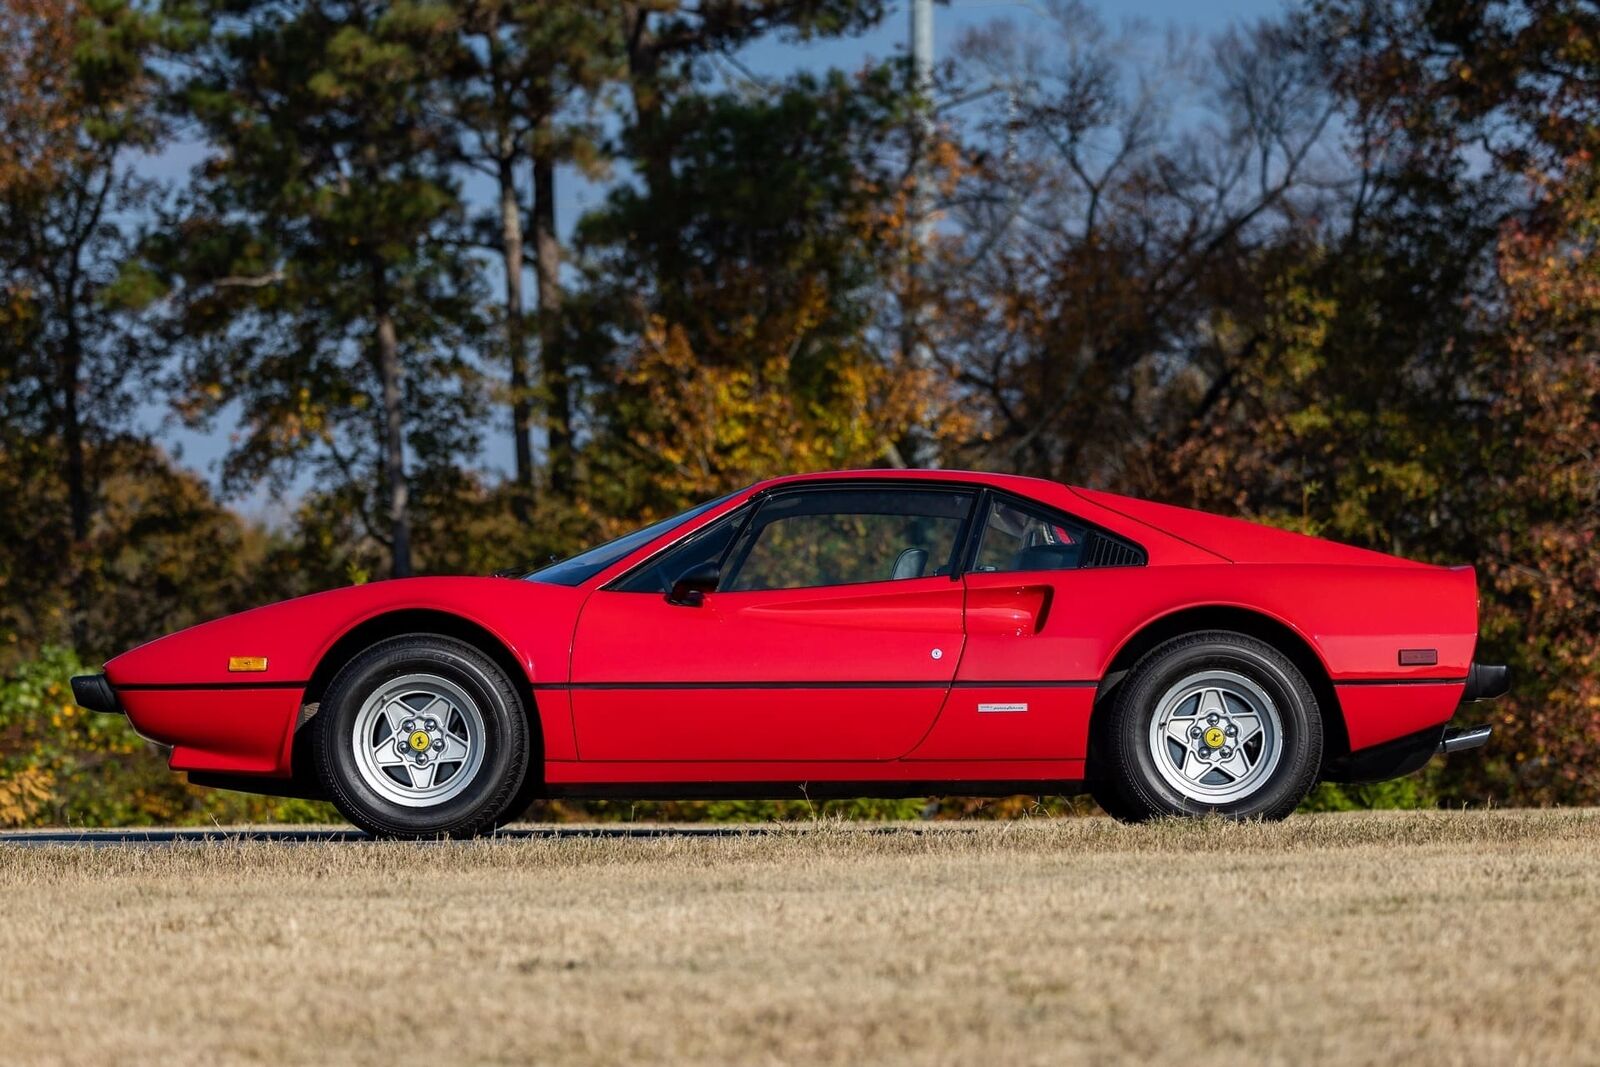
(854, 633)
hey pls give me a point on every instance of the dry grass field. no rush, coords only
(1394, 938)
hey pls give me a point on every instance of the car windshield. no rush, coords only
(575, 570)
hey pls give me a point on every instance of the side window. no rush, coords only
(702, 546)
(844, 536)
(1018, 539)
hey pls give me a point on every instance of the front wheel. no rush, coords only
(1212, 723)
(421, 736)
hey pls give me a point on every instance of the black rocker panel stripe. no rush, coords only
(1079, 684)
(998, 683)
(1403, 681)
(191, 686)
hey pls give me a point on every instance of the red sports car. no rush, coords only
(853, 633)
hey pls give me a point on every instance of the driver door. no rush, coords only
(833, 634)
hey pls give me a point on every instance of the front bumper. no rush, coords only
(235, 729)
(94, 693)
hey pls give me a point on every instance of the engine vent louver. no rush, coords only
(1103, 550)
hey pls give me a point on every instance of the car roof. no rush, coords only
(1017, 483)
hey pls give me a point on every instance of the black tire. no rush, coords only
(1133, 787)
(1105, 794)
(497, 779)
(532, 788)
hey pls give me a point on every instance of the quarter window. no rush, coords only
(1019, 539)
(844, 536)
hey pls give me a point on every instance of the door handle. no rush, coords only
(1010, 610)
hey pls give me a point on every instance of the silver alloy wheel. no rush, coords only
(418, 740)
(1216, 737)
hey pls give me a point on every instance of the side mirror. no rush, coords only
(693, 584)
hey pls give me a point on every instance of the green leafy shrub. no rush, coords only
(1415, 791)
(61, 765)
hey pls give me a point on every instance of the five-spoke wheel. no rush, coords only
(418, 740)
(1209, 723)
(422, 736)
(1215, 736)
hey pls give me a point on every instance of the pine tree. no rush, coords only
(319, 263)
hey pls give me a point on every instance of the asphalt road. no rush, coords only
(157, 838)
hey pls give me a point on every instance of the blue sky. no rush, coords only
(771, 58)
(952, 19)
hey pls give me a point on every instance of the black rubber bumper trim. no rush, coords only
(93, 692)
(296, 787)
(1391, 759)
(1485, 681)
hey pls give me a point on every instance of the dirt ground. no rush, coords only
(1405, 938)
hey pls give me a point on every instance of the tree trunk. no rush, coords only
(68, 369)
(72, 439)
(506, 153)
(516, 327)
(552, 360)
(394, 438)
(644, 82)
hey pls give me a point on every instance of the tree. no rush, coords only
(1106, 257)
(735, 309)
(1545, 557)
(318, 268)
(522, 82)
(1511, 81)
(1494, 104)
(76, 104)
(664, 41)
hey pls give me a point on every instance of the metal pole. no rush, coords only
(922, 445)
(922, 42)
(922, 83)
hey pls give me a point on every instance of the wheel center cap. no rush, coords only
(1214, 737)
(419, 741)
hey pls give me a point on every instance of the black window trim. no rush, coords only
(968, 537)
(969, 559)
(749, 506)
(753, 503)
(904, 485)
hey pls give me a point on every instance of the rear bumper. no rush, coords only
(1485, 681)
(1404, 755)
(1395, 757)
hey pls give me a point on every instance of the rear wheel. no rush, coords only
(1211, 723)
(421, 736)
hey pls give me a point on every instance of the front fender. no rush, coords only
(534, 621)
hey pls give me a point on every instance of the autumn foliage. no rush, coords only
(1545, 563)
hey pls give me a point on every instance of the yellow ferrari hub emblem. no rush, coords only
(1212, 737)
(419, 741)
